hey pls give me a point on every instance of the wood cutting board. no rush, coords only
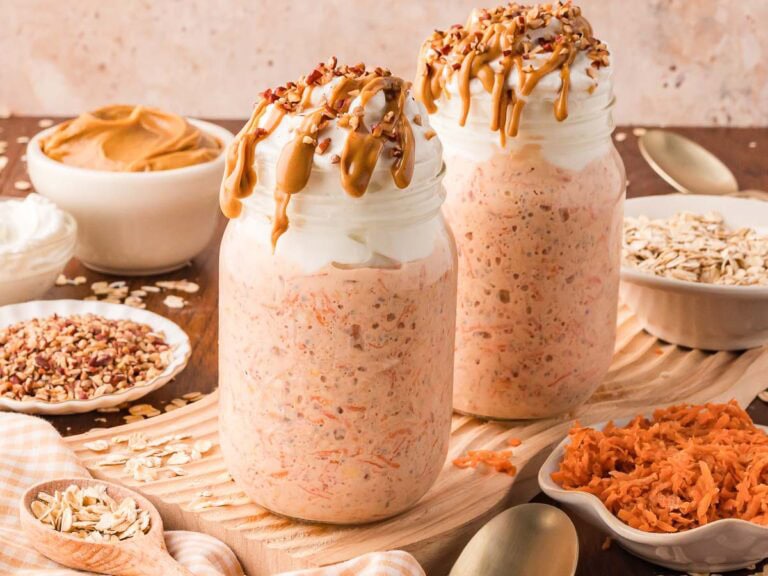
(645, 373)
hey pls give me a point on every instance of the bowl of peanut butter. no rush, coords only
(141, 182)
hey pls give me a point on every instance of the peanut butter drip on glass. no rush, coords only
(362, 148)
(496, 43)
(124, 138)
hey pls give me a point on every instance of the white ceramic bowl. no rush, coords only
(174, 335)
(696, 315)
(720, 546)
(28, 274)
(135, 223)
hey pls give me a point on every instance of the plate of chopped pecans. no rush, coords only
(695, 269)
(72, 356)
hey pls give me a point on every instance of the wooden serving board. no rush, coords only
(645, 373)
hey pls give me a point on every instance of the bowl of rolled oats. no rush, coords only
(695, 269)
(73, 356)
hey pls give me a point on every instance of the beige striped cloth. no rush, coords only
(31, 451)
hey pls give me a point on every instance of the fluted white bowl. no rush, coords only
(720, 546)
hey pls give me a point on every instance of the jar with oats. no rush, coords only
(337, 300)
(521, 98)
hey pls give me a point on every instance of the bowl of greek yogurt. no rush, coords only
(37, 239)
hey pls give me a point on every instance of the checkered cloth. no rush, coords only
(31, 451)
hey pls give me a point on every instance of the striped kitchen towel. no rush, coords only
(395, 563)
(32, 451)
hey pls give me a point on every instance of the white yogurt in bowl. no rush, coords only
(37, 240)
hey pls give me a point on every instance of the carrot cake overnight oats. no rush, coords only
(521, 98)
(338, 296)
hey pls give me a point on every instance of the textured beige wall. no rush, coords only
(678, 61)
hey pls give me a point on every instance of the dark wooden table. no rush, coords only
(200, 319)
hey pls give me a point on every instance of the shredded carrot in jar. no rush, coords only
(686, 467)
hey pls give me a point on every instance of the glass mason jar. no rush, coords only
(538, 223)
(336, 351)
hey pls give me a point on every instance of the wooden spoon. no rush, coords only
(141, 555)
(689, 167)
(526, 540)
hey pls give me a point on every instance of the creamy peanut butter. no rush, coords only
(122, 138)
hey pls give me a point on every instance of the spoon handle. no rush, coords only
(151, 560)
(755, 194)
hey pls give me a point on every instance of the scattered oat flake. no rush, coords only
(752, 145)
(100, 419)
(174, 301)
(3, 162)
(192, 396)
(108, 410)
(620, 136)
(130, 419)
(203, 446)
(606, 543)
(152, 289)
(22, 185)
(97, 446)
(45, 123)
(639, 131)
(22, 140)
(180, 285)
(143, 410)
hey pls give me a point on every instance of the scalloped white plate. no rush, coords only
(174, 335)
(720, 546)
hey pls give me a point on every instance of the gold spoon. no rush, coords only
(689, 167)
(141, 555)
(521, 541)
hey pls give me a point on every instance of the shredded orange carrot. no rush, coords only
(687, 466)
(498, 460)
(514, 442)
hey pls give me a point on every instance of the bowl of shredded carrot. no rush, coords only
(686, 488)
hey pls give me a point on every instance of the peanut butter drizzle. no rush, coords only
(492, 45)
(362, 148)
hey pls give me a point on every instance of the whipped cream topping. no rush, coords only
(30, 223)
(383, 216)
(514, 75)
(348, 121)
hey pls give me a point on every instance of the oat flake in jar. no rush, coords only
(521, 98)
(337, 300)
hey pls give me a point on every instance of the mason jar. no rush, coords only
(538, 223)
(336, 349)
